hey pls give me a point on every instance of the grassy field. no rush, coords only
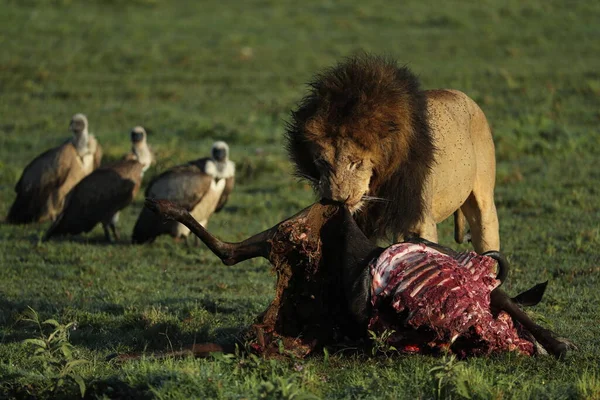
(194, 72)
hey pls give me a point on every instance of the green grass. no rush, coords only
(194, 72)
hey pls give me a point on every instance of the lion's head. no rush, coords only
(362, 123)
(345, 170)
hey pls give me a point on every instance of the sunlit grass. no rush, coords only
(194, 72)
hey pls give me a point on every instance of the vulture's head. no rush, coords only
(138, 135)
(139, 146)
(220, 151)
(79, 124)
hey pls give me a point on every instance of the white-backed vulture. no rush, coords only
(202, 187)
(100, 196)
(139, 135)
(46, 180)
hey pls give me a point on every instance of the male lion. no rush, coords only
(401, 158)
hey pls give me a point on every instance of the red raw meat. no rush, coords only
(434, 302)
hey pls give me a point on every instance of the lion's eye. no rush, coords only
(356, 164)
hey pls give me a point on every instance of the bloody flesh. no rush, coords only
(437, 302)
(333, 284)
(431, 300)
(308, 311)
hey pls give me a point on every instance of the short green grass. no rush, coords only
(193, 72)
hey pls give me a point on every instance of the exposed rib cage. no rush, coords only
(434, 301)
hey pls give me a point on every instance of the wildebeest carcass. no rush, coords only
(333, 283)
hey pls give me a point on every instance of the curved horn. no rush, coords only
(230, 253)
(503, 265)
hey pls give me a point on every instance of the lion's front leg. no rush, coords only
(426, 229)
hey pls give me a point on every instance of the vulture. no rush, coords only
(201, 186)
(47, 180)
(100, 196)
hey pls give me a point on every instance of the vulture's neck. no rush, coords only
(81, 142)
(143, 154)
(220, 169)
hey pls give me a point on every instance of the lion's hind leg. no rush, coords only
(461, 234)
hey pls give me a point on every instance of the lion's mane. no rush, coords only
(378, 104)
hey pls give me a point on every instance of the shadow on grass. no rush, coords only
(89, 238)
(109, 327)
(83, 239)
(115, 388)
(112, 388)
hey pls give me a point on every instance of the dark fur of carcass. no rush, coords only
(450, 312)
(307, 311)
(330, 287)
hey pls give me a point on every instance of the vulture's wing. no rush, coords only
(184, 185)
(229, 182)
(97, 150)
(50, 168)
(97, 198)
(45, 174)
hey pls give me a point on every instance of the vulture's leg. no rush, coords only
(113, 225)
(115, 231)
(106, 232)
(545, 337)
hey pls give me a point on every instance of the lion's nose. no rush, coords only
(332, 190)
(340, 198)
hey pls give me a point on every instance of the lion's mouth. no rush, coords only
(354, 204)
(352, 201)
(355, 207)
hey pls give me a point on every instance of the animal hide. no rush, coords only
(333, 284)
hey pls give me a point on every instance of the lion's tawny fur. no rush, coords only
(367, 129)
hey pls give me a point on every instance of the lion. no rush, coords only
(401, 158)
